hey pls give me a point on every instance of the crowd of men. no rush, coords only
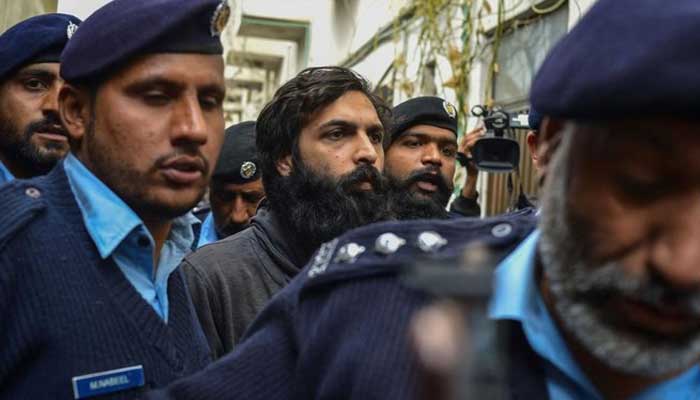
(114, 284)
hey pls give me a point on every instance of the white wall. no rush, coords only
(80, 8)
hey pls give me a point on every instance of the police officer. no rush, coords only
(32, 138)
(91, 298)
(602, 297)
(420, 159)
(236, 187)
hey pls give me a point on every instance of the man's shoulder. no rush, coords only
(385, 248)
(229, 251)
(22, 202)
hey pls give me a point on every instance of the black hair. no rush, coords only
(282, 119)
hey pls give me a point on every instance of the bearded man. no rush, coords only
(32, 137)
(320, 152)
(420, 159)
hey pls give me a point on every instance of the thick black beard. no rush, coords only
(407, 204)
(19, 148)
(317, 208)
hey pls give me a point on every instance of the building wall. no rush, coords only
(14, 11)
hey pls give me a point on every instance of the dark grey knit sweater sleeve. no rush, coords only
(229, 285)
(207, 304)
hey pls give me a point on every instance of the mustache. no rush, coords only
(361, 174)
(609, 281)
(50, 124)
(192, 158)
(430, 175)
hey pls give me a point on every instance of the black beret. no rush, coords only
(625, 58)
(238, 161)
(34, 40)
(124, 29)
(423, 111)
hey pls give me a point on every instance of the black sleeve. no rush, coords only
(466, 207)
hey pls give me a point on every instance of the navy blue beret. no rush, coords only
(34, 40)
(625, 58)
(238, 161)
(123, 29)
(534, 119)
(423, 111)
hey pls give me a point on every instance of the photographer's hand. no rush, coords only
(465, 146)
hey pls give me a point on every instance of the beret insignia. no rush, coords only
(449, 109)
(70, 29)
(220, 18)
(248, 169)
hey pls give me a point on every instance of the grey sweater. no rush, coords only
(231, 280)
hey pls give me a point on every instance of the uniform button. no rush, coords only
(501, 230)
(431, 241)
(349, 253)
(33, 192)
(388, 243)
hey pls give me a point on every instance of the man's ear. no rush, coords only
(532, 141)
(74, 105)
(549, 138)
(284, 165)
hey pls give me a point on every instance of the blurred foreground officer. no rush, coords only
(92, 302)
(320, 146)
(420, 161)
(236, 186)
(603, 299)
(32, 138)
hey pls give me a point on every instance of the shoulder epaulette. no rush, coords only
(383, 248)
(22, 201)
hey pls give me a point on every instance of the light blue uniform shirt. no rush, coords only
(208, 233)
(5, 174)
(119, 233)
(517, 297)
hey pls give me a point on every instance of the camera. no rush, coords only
(497, 151)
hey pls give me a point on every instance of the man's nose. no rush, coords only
(239, 213)
(431, 155)
(675, 250)
(189, 123)
(366, 151)
(49, 103)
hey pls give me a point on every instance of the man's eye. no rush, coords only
(449, 152)
(376, 138)
(411, 143)
(35, 85)
(335, 134)
(209, 102)
(252, 198)
(156, 98)
(640, 190)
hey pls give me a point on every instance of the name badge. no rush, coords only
(116, 380)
